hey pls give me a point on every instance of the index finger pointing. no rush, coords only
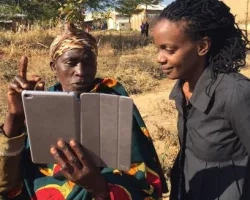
(23, 63)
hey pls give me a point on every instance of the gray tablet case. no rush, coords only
(49, 117)
(106, 129)
(101, 122)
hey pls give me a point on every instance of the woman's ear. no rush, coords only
(204, 46)
(52, 66)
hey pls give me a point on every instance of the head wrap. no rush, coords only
(72, 38)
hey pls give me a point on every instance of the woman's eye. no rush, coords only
(170, 51)
(69, 63)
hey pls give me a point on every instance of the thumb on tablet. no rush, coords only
(40, 86)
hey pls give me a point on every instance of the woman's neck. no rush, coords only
(190, 83)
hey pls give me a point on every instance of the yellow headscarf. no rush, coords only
(72, 38)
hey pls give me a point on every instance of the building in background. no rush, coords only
(240, 8)
(148, 14)
(118, 22)
(16, 22)
(95, 21)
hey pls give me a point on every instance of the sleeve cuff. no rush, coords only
(11, 146)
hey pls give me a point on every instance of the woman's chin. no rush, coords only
(172, 76)
(81, 89)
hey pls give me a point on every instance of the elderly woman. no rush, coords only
(74, 63)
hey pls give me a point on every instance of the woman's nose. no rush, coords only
(79, 70)
(161, 58)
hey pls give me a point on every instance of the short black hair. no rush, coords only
(212, 18)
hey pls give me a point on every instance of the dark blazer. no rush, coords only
(217, 143)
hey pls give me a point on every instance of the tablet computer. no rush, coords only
(106, 129)
(49, 117)
(102, 123)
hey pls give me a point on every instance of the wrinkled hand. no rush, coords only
(14, 121)
(19, 84)
(77, 167)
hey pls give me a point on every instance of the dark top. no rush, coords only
(217, 149)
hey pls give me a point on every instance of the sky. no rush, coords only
(166, 2)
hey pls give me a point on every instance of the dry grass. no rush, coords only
(121, 56)
(166, 135)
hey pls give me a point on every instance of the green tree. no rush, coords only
(149, 2)
(33, 9)
(9, 7)
(39, 9)
(74, 10)
(103, 15)
(69, 10)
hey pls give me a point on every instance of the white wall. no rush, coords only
(111, 24)
(115, 22)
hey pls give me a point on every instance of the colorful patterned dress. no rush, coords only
(145, 179)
